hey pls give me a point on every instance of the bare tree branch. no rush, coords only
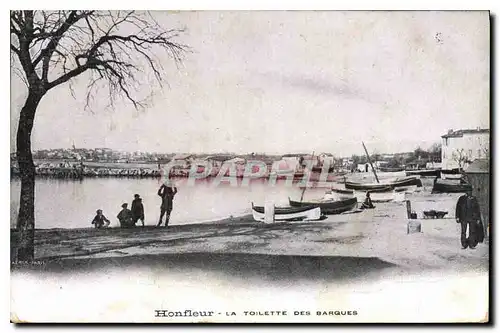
(117, 47)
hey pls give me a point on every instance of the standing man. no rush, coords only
(167, 193)
(137, 209)
(468, 214)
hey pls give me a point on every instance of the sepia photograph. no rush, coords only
(250, 166)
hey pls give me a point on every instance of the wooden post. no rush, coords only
(269, 212)
(370, 161)
(408, 208)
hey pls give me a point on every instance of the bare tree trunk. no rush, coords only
(26, 217)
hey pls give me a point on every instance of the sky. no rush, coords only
(291, 81)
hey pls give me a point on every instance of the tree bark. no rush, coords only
(26, 217)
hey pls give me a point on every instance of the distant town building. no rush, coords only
(183, 160)
(461, 147)
(217, 160)
(347, 162)
(292, 161)
(310, 161)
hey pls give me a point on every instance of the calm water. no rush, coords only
(72, 204)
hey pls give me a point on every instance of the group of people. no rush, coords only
(128, 218)
(467, 214)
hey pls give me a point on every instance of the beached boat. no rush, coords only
(381, 190)
(450, 171)
(385, 196)
(386, 169)
(328, 207)
(399, 182)
(454, 176)
(307, 213)
(342, 191)
(450, 186)
(424, 173)
(339, 194)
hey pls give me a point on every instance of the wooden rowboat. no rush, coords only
(328, 207)
(386, 169)
(307, 213)
(401, 182)
(450, 186)
(452, 176)
(450, 171)
(424, 173)
(342, 191)
(391, 196)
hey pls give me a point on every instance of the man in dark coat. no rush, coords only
(137, 209)
(468, 215)
(167, 193)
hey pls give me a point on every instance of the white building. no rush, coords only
(461, 147)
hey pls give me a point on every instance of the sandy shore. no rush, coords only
(380, 233)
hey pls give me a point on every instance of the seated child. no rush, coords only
(100, 221)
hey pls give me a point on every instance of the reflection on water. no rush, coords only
(72, 204)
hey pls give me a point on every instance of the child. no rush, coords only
(99, 220)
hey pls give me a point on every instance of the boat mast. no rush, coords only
(304, 190)
(370, 161)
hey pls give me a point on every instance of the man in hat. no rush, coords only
(167, 192)
(468, 215)
(125, 217)
(137, 210)
(100, 221)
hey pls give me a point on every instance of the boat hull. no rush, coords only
(450, 171)
(288, 214)
(328, 207)
(382, 169)
(424, 173)
(342, 191)
(392, 196)
(441, 186)
(383, 186)
(454, 176)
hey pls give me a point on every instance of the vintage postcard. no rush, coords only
(250, 166)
